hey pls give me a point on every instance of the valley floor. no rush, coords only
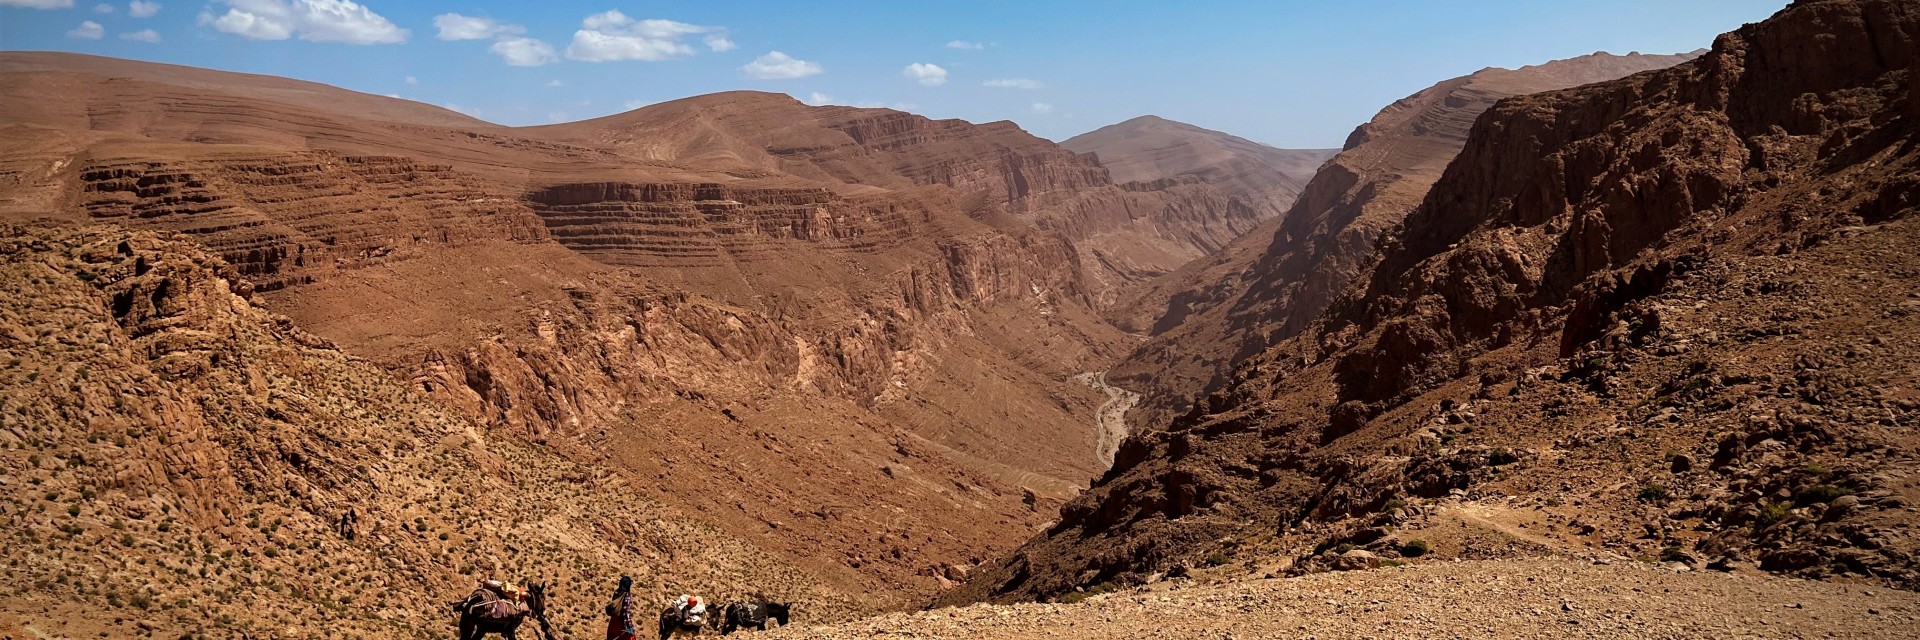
(1530, 598)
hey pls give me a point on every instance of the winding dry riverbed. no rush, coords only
(1111, 418)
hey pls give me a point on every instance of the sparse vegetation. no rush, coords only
(1653, 493)
(1772, 514)
(1819, 494)
(1415, 548)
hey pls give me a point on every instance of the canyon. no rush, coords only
(1658, 317)
(283, 356)
(843, 339)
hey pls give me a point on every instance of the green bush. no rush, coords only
(1772, 514)
(1098, 589)
(1501, 456)
(1415, 548)
(1216, 559)
(1819, 494)
(1653, 493)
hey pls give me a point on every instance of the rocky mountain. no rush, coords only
(1660, 317)
(822, 332)
(1213, 313)
(1151, 148)
(178, 461)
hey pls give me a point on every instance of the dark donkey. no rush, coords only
(741, 615)
(486, 612)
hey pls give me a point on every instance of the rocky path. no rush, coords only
(1536, 598)
(1111, 419)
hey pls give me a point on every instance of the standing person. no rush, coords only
(620, 612)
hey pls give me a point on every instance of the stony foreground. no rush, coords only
(1505, 598)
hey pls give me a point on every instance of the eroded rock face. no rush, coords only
(198, 445)
(1212, 314)
(287, 218)
(777, 319)
(1702, 261)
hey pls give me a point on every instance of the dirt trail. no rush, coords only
(1536, 598)
(1111, 419)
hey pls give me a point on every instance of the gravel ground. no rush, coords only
(1506, 598)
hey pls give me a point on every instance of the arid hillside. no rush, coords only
(825, 331)
(1151, 148)
(1666, 317)
(1213, 313)
(178, 461)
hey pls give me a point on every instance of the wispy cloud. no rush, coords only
(611, 36)
(779, 66)
(142, 9)
(148, 36)
(927, 74)
(963, 44)
(1042, 108)
(313, 20)
(88, 30)
(556, 83)
(102, 8)
(412, 80)
(1014, 83)
(454, 26)
(38, 4)
(524, 52)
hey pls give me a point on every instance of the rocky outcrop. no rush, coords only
(1125, 234)
(1215, 313)
(290, 218)
(1609, 285)
(200, 448)
(687, 224)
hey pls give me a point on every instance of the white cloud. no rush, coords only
(454, 26)
(88, 30)
(312, 20)
(779, 66)
(148, 36)
(471, 111)
(928, 74)
(962, 44)
(556, 83)
(142, 9)
(1042, 108)
(524, 52)
(557, 116)
(104, 8)
(1014, 83)
(817, 99)
(635, 104)
(412, 80)
(38, 4)
(610, 36)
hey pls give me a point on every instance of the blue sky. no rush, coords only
(1290, 74)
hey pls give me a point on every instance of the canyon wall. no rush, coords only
(1214, 313)
(1664, 314)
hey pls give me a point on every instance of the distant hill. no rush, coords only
(1150, 148)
